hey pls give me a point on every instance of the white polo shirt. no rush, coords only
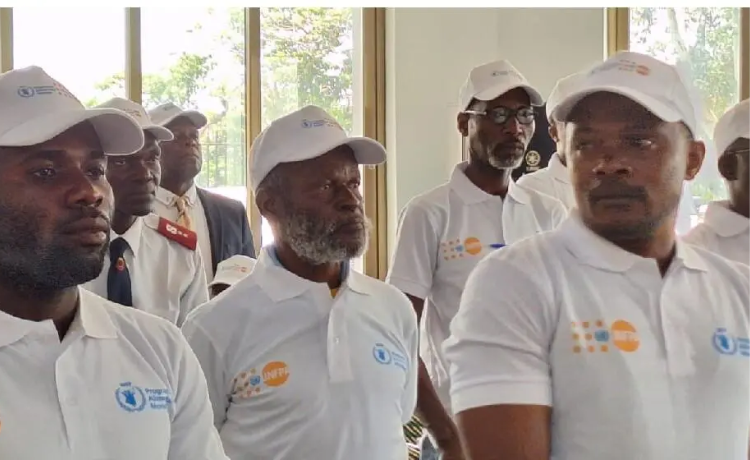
(724, 232)
(443, 234)
(552, 180)
(167, 278)
(121, 385)
(635, 365)
(295, 373)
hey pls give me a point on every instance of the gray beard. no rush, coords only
(315, 241)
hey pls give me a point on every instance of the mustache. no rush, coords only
(616, 190)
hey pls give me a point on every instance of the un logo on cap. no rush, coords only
(26, 91)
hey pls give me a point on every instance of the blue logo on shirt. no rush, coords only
(381, 354)
(727, 344)
(385, 356)
(132, 398)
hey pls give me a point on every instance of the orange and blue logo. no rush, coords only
(471, 246)
(248, 384)
(600, 337)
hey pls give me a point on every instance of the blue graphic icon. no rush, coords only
(255, 380)
(497, 245)
(381, 354)
(602, 336)
(130, 398)
(724, 343)
(26, 91)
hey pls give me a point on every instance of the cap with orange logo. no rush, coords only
(656, 85)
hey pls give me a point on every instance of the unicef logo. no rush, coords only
(130, 398)
(381, 354)
(724, 343)
(26, 91)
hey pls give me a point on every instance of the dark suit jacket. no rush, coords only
(541, 147)
(228, 227)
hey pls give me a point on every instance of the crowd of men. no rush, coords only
(557, 317)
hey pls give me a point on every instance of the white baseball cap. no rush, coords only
(563, 87)
(233, 269)
(303, 135)
(35, 108)
(656, 85)
(137, 111)
(166, 113)
(733, 125)
(491, 80)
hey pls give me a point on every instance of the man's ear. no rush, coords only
(462, 123)
(552, 130)
(695, 156)
(267, 204)
(728, 167)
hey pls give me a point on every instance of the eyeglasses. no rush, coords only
(738, 152)
(500, 115)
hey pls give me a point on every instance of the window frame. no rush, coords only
(373, 107)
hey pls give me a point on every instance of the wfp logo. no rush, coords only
(132, 398)
(728, 344)
(386, 357)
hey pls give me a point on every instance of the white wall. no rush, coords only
(429, 52)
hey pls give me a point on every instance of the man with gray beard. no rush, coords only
(306, 358)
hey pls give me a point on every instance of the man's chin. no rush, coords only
(507, 159)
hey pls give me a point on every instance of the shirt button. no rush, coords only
(336, 340)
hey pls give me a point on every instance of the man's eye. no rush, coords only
(45, 173)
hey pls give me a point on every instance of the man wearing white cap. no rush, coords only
(443, 233)
(220, 222)
(554, 179)
(726, 227)
(609, 337)
(154, 264)
(306, 358)
(229, 272)
(83, 378)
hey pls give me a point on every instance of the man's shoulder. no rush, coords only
(220, 201)
(142, 330)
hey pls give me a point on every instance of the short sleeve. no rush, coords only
(415, 256)
(498, 349)
(212, 363)
(194, 436)
(409, 398)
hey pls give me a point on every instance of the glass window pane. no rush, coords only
(704, 42)
(311, 56)
(48, 37)
(195, 57)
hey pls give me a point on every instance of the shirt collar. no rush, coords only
(557, 169)
(92, 319)
(725, 222)
(280, 284)
(168, 198)
(591, 249)
(471, 194)
(132, 235)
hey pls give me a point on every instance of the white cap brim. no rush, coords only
(195, 117)
(661, 110)
(498, 90)
(161, 134)
(118, 132)
(366, 151)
